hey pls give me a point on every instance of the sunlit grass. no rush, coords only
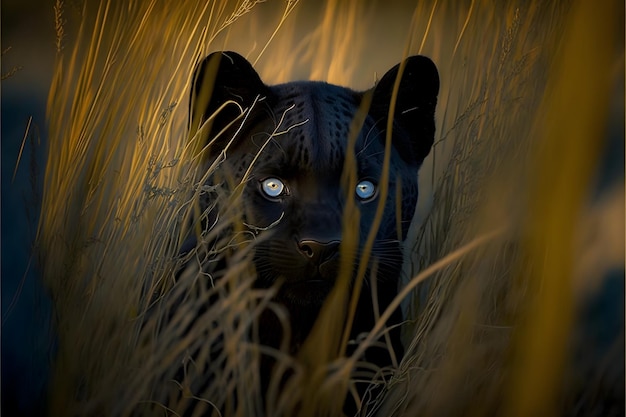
(488, 326)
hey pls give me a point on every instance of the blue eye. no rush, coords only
(273, 187)
(365, 189)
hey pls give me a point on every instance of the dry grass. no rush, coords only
(491, 319)
(8, 74)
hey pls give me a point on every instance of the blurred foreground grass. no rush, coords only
(504, 246)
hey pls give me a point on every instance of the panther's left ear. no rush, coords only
(415, 106)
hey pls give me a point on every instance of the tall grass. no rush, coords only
(492, 262)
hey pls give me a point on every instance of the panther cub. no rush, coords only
(287, 146)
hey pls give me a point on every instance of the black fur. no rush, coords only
(301, 248)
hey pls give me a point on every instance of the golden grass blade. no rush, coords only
(576, 117)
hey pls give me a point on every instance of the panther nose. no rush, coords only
(318, 252)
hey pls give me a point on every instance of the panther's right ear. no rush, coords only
(222, 77)
(415, 104)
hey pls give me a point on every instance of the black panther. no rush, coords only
(283, 149)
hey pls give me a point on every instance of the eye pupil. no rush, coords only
(272, 187)
(365, 189)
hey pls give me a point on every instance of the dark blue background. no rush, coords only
(26, 340)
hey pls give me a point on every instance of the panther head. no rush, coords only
(286, 146)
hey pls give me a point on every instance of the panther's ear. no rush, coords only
(222, 77)
(415, 106)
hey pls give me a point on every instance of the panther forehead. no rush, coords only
(316, 119)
